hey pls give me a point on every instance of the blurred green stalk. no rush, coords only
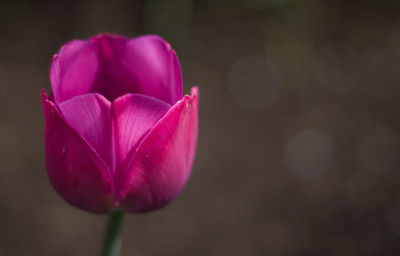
(113, 239)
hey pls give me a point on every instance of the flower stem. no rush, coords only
(112, 239)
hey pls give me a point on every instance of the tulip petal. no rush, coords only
(74, 168)
(134, 115)
(90, 116)
(114, 66)
(146, 65)
(74, 70)
(163, 160)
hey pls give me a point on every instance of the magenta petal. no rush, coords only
(156, 67)
(134, 115)
(74, 70)
(146, 65)
(162, 163)
(114, 66)
(90, 116)
(75, 170)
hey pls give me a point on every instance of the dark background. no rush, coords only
(299, 141)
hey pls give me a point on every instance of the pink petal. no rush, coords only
(134, 115)
(155, 67)
(74, 168)
(162, 163)
(114, 66)
(146, 65)
(74, 70)
(90, 116)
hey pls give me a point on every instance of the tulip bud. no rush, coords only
(118, 133)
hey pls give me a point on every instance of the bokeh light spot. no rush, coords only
(383, 75)
(337, 66)
(253, 82)
(379, 151)
(308, 154)
(3, 83)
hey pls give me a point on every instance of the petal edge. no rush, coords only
(67, 155)
(163, 161)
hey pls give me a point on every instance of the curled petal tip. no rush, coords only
(43, 94)
(194, 91)
(54, 58)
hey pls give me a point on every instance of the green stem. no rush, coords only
(112, 239)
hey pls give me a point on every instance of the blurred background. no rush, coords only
(299, 141)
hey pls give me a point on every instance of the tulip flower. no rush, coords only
(118, 132)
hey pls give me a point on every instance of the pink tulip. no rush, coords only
(118, 133)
